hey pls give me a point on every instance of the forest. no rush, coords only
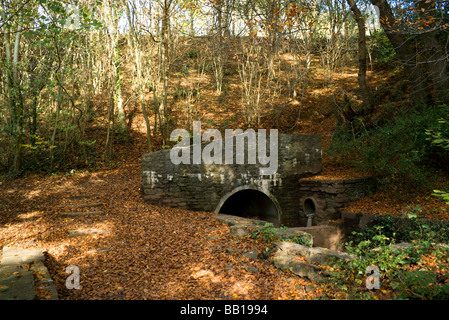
(87, 87)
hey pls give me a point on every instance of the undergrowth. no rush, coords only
(268, 233)
(396, 147)
(410, 254)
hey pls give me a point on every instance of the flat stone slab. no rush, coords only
(291, 256)
(231, 220)
(241, 227)
(81, 213)
(319, 255)
(90, 231)
(300, 268)
(16, 284)
(17, 256)
(21, 272)
(81, 205)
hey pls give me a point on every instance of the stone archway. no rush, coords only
(250, 202)
(206, 186)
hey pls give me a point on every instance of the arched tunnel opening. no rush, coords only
(251, 204)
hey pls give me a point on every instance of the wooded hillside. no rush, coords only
(87, 87)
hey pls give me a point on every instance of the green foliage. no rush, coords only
(268, 233)
(439, 136)
(416, 271)
(441, 194)
(421, 284)
(48, 76)
(401, 229)
(382, 50)
(184, 70)
(395, 149)
(193, 54)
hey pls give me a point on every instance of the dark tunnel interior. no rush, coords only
(251, 204)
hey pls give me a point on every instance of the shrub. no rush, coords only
(396, 151)
(418, 271)
(382, 50)
(440, 138)
(269, 233)
(402, 229)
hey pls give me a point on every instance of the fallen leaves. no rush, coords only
(152, 253)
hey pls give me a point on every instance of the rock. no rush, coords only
(252, 254)
(326, 257)
(307, 270)
(81, 205)
(287, 253)
(291, 248)
(322, 256)
(239, 230)
(300, 268)
(250, 268)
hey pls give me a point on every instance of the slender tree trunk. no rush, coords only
(361, 77)
(118, 97)
(53, 135)
(17, 104)
(435, 54)
(419, 93)
(133, 41)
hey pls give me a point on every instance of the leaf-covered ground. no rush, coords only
(165, 253)
(152, 252)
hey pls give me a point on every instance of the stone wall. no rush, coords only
(205, 187)
(329, 196)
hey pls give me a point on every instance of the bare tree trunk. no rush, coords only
(164, 57)
(435, 54)
(133, 40)
(118, 96)
(419, 93)
(17, 105)
(361, 77)
(53, 135)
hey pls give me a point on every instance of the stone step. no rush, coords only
(95, 251)
(16, 284)
(14, 256)
(21, 272)
(75, 214)
(80, 205)
(90, 231)
(78, 197)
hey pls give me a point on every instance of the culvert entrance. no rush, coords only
(309, 210)
(251, 204)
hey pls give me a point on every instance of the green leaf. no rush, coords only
(412, 215)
